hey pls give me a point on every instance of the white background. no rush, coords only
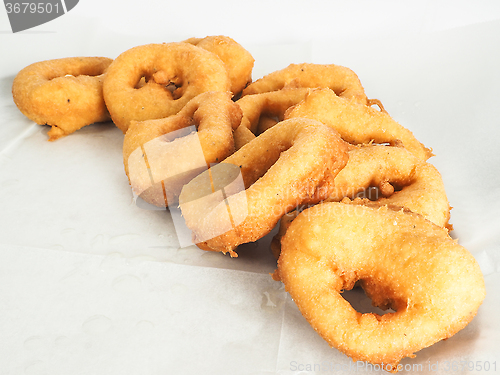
(91, 284)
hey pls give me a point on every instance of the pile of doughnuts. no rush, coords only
(303, 148)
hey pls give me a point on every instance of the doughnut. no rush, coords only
(63, 93)
(159, 157)
(242, 135)
(238, 61)
(397, 178)
(172, 74)
(343, 81)
(284, 223)
(281, 169)
(269, 105)
(400, 177)
(266, 122)
(401, 260)
(356, 123)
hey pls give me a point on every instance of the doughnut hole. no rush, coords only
(363, 304)
(169, 86)
(175, 85)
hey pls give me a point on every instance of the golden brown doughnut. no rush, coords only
(402, 261)
(63, 93)
(357, 123)
(174, 73)
(343, 81)
(238, 61)
(281, 169)
(161, 155)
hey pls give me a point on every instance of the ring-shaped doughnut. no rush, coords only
(63, 93)
(281, 169)
(159, 161)
(402, 261)
(385, 175)
(270, 106)
(399, 179)
(174, 72)
(356, 123)
(343, 81)
(238, 61)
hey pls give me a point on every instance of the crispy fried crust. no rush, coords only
(268, 106)
(156, 172)
(340, 79)
(357, 123)
(174, 74)
(402, 260)
(282, 168)
(238, 61)
(400, 177)
(63, 93)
